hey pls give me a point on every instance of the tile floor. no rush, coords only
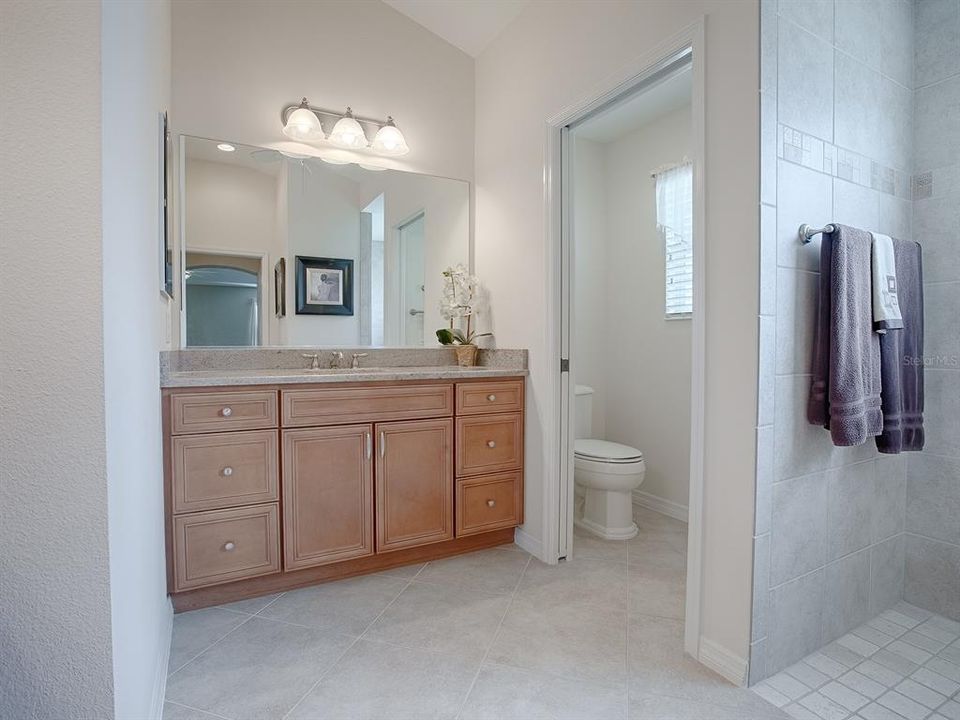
(903, 664)
(492, 634)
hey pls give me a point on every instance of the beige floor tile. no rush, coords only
(657, 591)
(441, 619)
(194, 632)
(346, 606)
(258, 672)
(172, 711)
(596, 582)
(563, 638)
(505, 693)
(404, 571)
(651, 521)
(251, 606)
(493, 571)
(375, 682)
(650, 706)
(657, 664)
(587, 546)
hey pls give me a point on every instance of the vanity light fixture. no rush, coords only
(348, 133)
(389, 140)
(225, 147)
(302, 123)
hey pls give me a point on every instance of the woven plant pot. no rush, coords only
(466, 355)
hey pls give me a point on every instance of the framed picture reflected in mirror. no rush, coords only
(280, 288)
(324, 286)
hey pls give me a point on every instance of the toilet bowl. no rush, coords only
(606, 474)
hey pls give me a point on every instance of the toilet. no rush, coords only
(605, 474)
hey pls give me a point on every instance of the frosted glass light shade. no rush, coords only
(302, 124)
(390, 141)
(347, 132)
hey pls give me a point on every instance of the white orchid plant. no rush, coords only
(460, 301)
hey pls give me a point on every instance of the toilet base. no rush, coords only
(608, 514)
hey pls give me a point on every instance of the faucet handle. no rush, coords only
(356, 359)
(314, 360)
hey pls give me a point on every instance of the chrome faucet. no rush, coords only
(314, 361)
(355, 363)
(336, 360)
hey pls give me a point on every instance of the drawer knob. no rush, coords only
(491, 503)
(491, 397)
(227, 411)
(227, 471)
(229, 546)
(491, 444)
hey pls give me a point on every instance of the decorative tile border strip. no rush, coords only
(812, 152)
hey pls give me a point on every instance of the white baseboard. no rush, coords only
(661, 505)
(529, 543)
(163, 659)
(723, 662)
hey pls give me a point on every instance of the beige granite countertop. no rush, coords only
(210, 378)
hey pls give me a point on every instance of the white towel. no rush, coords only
(886, 307)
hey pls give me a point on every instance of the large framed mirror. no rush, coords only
(281, 249)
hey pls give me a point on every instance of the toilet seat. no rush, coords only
(604, 451)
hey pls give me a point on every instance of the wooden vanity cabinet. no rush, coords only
(327, 495)
(276, 487)
(414, 483)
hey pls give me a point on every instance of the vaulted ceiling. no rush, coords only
(470, 25)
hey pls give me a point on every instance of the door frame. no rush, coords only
(558, 447)
(263, 326)
(402, 273)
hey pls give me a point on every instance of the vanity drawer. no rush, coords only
(489, 502)
(489, 443)
(192, 412)
(224, 469)
(224, 545)
(482, 398)
(342, 406)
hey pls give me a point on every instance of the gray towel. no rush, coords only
(845, 393)
(901, 358)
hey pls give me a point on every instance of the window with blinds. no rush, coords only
(675, 224)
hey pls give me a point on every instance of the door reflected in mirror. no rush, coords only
(245, 210)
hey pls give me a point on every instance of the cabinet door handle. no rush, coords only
(383, 443)
(369, 445)
(491, 503)
(229, 546)
(227, 471)
(491, 397)
(227, 411)
(491, 444)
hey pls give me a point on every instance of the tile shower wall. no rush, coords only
(933, 477)
(837, 145)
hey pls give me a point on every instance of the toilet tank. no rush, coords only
(583, 412)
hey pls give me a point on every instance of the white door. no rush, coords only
(411, 242)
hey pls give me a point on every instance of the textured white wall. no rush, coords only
(136, 87)
(55, 653)
(565, 50)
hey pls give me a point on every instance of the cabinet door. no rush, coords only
(414, 483)
(327, 495)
